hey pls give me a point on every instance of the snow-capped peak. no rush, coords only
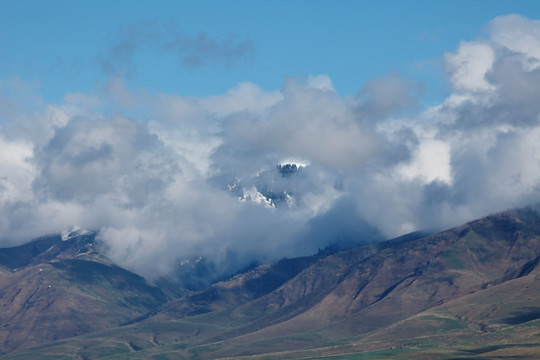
(74, 232)
(294, 163)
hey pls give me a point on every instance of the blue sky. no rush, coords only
(56, 45)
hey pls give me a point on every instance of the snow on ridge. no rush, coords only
(256, 197)
(74, 232)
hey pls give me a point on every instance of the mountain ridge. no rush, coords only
(355, 300)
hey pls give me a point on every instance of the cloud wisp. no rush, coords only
(192, 51)
(252, 174)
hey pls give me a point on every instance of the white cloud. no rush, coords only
(469, 65)
(16, 171)
(519, 35)
(308, 123)
(320, 82)
(244, 97)
(430, 162)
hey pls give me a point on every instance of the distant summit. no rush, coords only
(273, 187)
(289, 169)
(75, 232)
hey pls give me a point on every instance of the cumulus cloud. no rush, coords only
(520, 36)
(387, 95)
(430, 162)
(90, 158)
(245, 96)
(255, 174)
(16, 172)
(310, 122)
(469, 65)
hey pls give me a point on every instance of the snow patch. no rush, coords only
(256, 197)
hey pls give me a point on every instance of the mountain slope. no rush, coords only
(466, 289)
(64, 288)
(362, 290)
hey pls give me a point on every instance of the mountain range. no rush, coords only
(472, 291)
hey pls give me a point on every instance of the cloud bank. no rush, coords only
(252, 174)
